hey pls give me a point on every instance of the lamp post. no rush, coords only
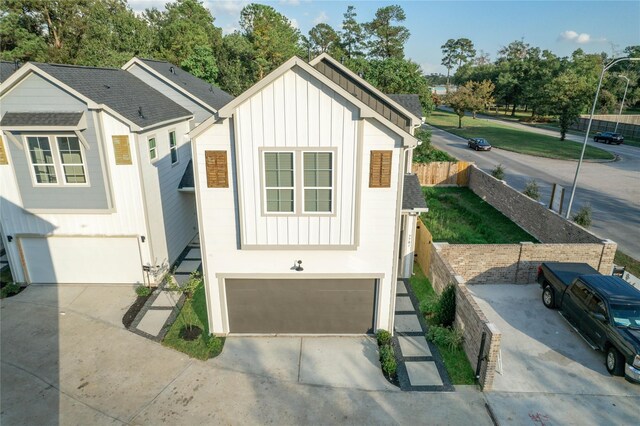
(586, 135)
(621, 103)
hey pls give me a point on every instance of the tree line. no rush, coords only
(108, 33)
(538, 81)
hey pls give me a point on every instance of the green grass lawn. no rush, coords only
(205, 346)
(632, 265)
(510, 139)
(458, 216)
(456, 362)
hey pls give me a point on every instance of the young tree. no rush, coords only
(387, 40)
(352, 36)
(460, 101)
(569, 95)
(273, 37)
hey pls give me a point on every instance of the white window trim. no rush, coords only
(331, 188)
(57, 161)
(170, 148)
(155, 149)
(265, 210)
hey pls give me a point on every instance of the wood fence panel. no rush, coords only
(424, 244)
(442, 173)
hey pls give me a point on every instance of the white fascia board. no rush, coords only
(141, 64)
(415, 121)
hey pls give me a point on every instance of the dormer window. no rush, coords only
(61, 163)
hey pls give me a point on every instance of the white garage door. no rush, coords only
(82, 260)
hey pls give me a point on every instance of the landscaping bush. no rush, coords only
(445, 312)
(9, 290)
(532, 190)
(583, 217)
(426, 153)
(451, 338)
(143, 291)
(428, 306)
(383, 337)
(388, 360)
(498, 172)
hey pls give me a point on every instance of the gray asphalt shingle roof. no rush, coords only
(412, 197)
(187, 181)
(212, 95)
(119, 90)
(410, 102)
(40, 119)
(6, 69)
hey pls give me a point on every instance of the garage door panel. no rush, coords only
(311, 306)
(77, 260)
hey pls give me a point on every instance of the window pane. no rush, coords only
(45, 174)
(324, 206)
(309, 160)
(324, 160)
(71, 158)
(270, 161)
(172, 139)
(285, 161)
(271, 178)
(324, 178)
(286, 194)
(74, 174)
(323, 194)
(174, 156)
(286, 206)
(40, 150)
(310, 178)
(285, 178)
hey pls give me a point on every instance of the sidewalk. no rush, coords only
(163, 306)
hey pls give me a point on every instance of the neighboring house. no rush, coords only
(311, 164)
(91, 165)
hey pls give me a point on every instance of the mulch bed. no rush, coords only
(190, 333)
(133, 311)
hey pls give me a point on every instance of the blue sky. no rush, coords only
(559, 26)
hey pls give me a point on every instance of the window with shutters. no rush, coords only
(380, 169)
(216, 169)
(318, 181)
(279, 182)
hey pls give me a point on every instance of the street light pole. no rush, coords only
(621, 103)
(586, 135)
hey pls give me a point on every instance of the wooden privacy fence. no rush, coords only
(443, 173)
(423, 246)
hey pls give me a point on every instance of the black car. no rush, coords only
(609, 137)
(479, 144)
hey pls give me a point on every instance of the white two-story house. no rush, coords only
(306, 204)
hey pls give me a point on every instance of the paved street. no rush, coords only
(612, 189)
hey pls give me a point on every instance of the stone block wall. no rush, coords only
(469, 319)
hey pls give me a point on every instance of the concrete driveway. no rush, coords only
(65, 358)
(548, 371)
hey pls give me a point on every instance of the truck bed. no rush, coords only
(567, 272)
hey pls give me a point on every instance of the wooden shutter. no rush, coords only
(121, 150)
(380, 169)
(3, 153)
(217, 175)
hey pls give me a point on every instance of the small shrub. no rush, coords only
(583, 217)
(383, 337)
(445, 313)
(388, 360)
(426, 153)
(9, 290)
(451, 338)
(428, 306)
(143, 291)
(532, 190)
(498, 172)
(214, 344)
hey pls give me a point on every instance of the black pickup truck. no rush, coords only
(603, 308)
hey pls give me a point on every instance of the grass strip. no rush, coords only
(205, 346)
(516, 140)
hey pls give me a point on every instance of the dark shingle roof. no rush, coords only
(213, 96)
(410, 102)
(119, 90)
(187, 181)
(7, 68)
(412, 197)
(40, 119)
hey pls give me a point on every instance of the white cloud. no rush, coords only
(322, 17)
(429, 68)
(226, 7)
(228, 29)
(290, 2)
(579, 38)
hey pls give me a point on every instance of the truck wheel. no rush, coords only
(548, 296)
(615, 362)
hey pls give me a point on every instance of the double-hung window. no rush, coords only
(153, 150)
(318, 181)
(279, 181)
(173, 147)
(65, 158)
(42, 159)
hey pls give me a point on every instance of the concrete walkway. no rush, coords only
(420, 367)
(66, 359)
(162, 307)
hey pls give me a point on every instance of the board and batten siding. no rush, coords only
(297, 111)
(199, 111)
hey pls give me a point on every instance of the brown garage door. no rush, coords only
(336, 306)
